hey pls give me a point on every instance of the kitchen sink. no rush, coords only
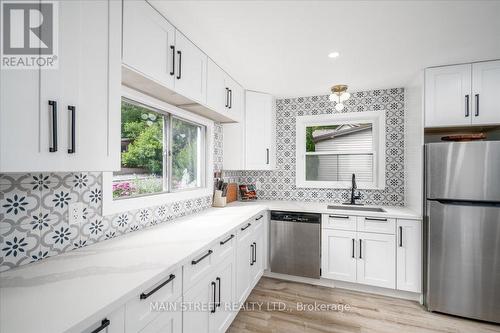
(358, 208)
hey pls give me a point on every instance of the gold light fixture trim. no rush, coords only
(339, 89)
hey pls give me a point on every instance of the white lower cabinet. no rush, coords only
(166, 322)
(244, 252)
(111, 323)
(376, 262)
(409, 255)
(338, 261)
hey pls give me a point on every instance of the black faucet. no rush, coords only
(354, 196)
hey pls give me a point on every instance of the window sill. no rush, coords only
(338, 185)
(111, 206)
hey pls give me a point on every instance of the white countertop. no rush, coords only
(73, 290)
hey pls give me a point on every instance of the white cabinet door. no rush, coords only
(191, 69)
(409, 255)
(244, 260)
(200, 300)
(166, 322)
(148, 42)
(448, 97)
(259, 131)
(486, 90)
(259, 253)
(338, 255)
(217, 90)
(233, 146)
(225, 278)
(376, 263)
(235, 99)
(111, 323)
(86, 82)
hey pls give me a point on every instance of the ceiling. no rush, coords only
(281, 47)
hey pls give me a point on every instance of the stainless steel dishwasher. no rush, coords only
(295, 243)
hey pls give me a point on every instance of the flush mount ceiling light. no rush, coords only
(333, 54)
(339, 95)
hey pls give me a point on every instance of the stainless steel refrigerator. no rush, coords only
(462, 229)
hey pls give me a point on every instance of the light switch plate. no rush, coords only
(75, 213)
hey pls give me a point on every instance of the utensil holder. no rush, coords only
(219, 200)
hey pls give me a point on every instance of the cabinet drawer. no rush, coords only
(225, 245)
(138, 312)
(166, 322)
(199, 265)
(339, 221)
(377, 224)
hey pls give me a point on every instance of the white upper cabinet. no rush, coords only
(448, 96)
(190, 69)
(67, 119)
(148, 42)
(486, 92)
(409, 255)
(259, 131)
(462, 95)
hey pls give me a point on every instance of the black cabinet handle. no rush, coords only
(158, 287)
(246, 227)
(179, 73)
(339, 216)
(360, 248)
(214, 293)
(53, 105)
(375, 219)
(194, 262)
(254, 252)
(227, 240)
(251, 254)
(353, 246)
(104, 323)
(227, 97)
(258, 218)
(72, 113)
(218, 282)
(466, 106)
(172, 72)
(267, 155)
(230, 99)
(400, 236)
(477, 105)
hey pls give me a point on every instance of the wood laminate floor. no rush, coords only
(367, 313)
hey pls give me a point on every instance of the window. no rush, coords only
(160, 153)
(330, 148)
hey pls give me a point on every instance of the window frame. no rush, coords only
(376, 118)
(113, 206)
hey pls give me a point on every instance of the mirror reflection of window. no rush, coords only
(335, 152)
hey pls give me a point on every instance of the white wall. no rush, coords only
(414, 135)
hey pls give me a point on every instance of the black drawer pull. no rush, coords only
(179, 73)
(230, 99)
(214, 295)
(172, 72)
(194, 262)
(158, 287)
(375, 219)
(400, 236)
(267, 155)
(227, 97)
(339, 217)
(246, 227)
(477, 105)
(353, 246)
(254, 253)
(466, 106)
(53, 105)
(227, 240)
(218, 282)
(258, 218)
(72, 113)
(104, 323)
(360, 248)
(251, 255)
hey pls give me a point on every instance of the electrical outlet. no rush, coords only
(75, 213)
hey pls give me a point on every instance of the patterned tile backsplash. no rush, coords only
(279, 184)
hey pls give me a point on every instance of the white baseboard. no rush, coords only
(348, 285)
